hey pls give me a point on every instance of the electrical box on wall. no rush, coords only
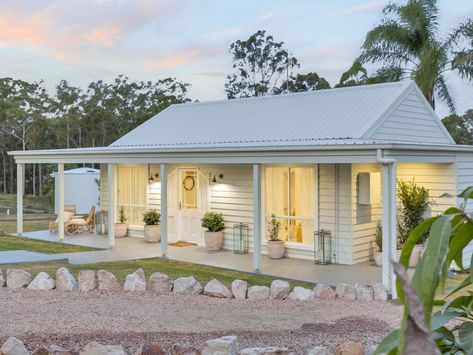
(369, 188)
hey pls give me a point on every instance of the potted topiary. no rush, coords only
(378, 254)
(121, 228)
(152, 228)
(215, 224)
(276, 246)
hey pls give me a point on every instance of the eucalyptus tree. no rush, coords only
(460, 127)
(408, 38)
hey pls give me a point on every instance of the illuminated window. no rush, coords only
(131, 192)
(290, 196)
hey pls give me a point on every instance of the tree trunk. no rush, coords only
(40, 179)
(34, 180)
(4, 162)
(12, 189)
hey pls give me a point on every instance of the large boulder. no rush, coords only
(301, 294)
(177, 349)
(65, 281)
(13, 346)
(324, 292)
(345, 291)
(135, 281)
(268, 350)
(87, 280)
(42, 282)
(2, 279)
(160, 283)
(187, 286)
(350, 347)
(107, 280)
(150, 349)
(258, 292)
(215, 288)
(239, 288)
(319, 350)
(51, 350)
(226, 345)
(94, 348)
(18, 278)
(380, 293)
(363, 292)
(279, 289)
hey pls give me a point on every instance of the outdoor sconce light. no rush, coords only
(154, 177)
(216, 178)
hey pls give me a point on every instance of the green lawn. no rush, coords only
(17, 243)
(38, 203)
(172, 268)
(28, 226)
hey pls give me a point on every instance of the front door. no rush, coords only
(189, 205)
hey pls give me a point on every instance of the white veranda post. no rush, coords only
(389, 226)
(111, 182)
(19, 197)
(257, 217)
(60, 217)
(164, 210)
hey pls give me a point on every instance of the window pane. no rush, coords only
(189, 190)
(301, 231)
(131, 192)
(276, 191)
(302, 192)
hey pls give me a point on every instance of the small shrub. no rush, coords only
(414, 200)
(151, 217)
(121, 215)
(213, 222)
(273, 228)
(379, 237)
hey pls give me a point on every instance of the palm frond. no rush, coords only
(463, 63)
(443, 93)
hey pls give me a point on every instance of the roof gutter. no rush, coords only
(383, 160)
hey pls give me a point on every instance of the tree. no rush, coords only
(304, 82)
(358, 75)
(260, 63)
(460, 127)
(408, 39)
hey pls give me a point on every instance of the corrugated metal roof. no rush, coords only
(340, 115)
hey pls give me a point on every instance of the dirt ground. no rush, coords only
(71, 319)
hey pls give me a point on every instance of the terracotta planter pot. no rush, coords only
(214, 240)
(152, 233)
(276, 249)
(121, 230)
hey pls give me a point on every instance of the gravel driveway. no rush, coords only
(71, 319)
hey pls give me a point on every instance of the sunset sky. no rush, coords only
(87, 40)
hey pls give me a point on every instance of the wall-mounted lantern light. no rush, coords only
(153, 177)
(216, 179)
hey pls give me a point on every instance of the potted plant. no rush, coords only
(121, 228)
(276, 247)
(378, 254)
(152, 228)
(414, 200)
(215, 224)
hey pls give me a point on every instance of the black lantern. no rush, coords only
(323, 247)
(240, 238)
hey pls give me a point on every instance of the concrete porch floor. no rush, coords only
(136, 248)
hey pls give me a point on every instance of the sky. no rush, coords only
(88, 40)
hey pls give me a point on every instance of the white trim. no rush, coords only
(20, 185)
(112, 203)
(164, 209)
(60, 219)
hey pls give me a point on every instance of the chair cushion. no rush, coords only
(67, 217)
(78, 221)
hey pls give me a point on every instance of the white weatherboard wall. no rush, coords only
(412, 120)
(464, 168)
(439, 179)
(80, 189)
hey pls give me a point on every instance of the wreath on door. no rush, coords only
(188, 183)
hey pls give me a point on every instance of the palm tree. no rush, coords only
(408, 39)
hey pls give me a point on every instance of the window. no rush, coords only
(290, 196)
(131, 192)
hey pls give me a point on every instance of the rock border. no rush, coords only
(18, 279)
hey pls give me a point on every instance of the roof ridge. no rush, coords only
(400, 83)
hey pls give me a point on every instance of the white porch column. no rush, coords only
(60, 213)
(19, 197)
(163, 174)
(389, 226)
(256, 217)
(111, 182)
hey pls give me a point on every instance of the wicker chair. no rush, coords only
(69, 211)
(78, 225)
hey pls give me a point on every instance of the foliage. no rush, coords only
(379, 236)
(408, 39)
(358, 75)
(273, 228)
(265, 67)
(151, 217)
(121, 215)
(450, 233)
(414, 200)
(213, 222)
(460, 127)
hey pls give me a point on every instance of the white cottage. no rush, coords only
(327, 160)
